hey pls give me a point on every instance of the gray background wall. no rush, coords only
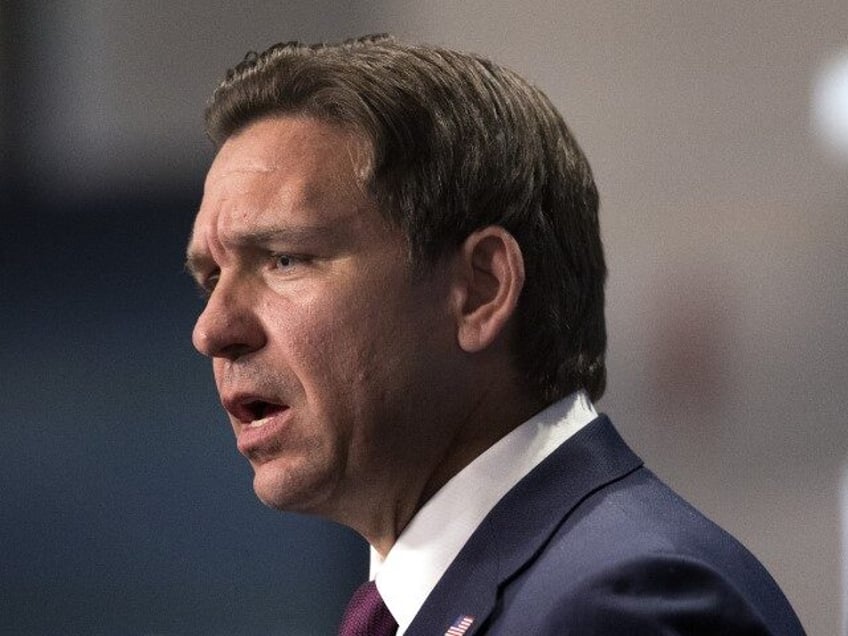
(124, 507)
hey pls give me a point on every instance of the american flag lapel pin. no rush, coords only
(460, 626)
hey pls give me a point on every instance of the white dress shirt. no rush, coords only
(437, 533)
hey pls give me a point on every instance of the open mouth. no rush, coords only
(254, 412)
(261, 411)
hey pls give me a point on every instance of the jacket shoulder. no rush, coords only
(636, 558)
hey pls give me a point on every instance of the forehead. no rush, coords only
(299, 154)
(282, 170)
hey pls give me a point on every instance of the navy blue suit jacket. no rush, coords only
(591, 542)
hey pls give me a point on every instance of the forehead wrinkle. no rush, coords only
(298, 219)
(293, 190)
(253, 169)
(204, 241)
(284, 233)
(341, 156)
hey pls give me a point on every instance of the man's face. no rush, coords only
(332, 361)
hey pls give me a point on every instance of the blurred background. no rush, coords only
(717, 132)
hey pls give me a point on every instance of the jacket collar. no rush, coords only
(521, 524)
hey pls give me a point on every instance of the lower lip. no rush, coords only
(264, 434)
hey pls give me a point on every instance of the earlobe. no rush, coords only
(493, 277)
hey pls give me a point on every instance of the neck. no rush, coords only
(487, 420)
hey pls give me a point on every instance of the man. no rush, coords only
(405, 314)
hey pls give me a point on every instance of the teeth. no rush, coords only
(259, 423)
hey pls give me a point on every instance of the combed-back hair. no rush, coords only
(457, 143)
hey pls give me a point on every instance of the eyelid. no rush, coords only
(206, 283)
(295, 258)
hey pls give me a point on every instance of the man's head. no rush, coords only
(456, 143)
(401, 253)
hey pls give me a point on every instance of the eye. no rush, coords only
(284, 261)
(206, 284)
(287, 265)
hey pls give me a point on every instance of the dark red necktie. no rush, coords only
(367, 614)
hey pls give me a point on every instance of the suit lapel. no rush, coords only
(520, 525)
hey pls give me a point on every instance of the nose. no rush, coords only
(229, 327)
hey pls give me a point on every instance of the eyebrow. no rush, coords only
(198, 260)
(193, 264)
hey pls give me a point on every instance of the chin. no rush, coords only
(290, 491)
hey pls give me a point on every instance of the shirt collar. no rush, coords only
(436, 534)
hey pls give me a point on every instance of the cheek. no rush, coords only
(323, 342)
(353, 343)
(218, 373)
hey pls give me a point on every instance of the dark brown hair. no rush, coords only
(458, 143)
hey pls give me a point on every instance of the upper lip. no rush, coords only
(248, 407)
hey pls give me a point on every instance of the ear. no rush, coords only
(491, 278)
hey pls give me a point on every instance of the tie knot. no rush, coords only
(367, 614)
